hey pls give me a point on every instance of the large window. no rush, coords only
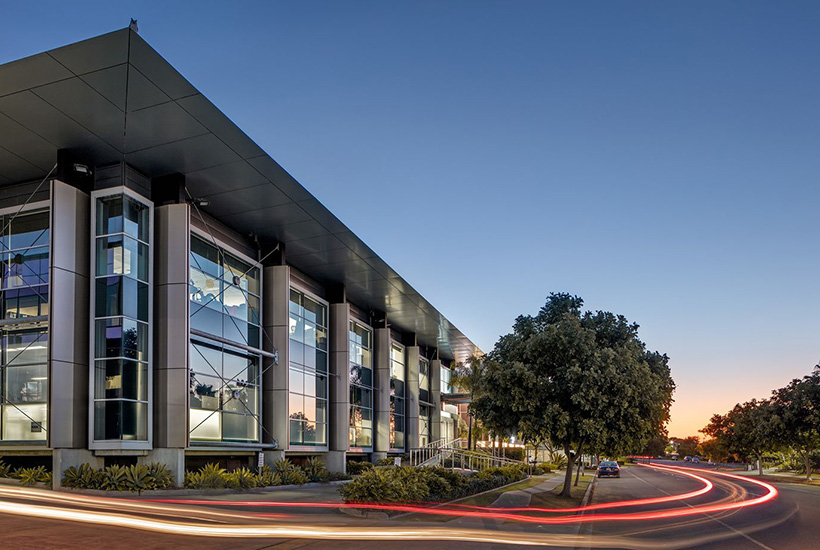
(24, 260)
(446, 386)
(122, 318)
(224, 394)
(397, 395)
(361, 386)
(424, 380)
(224, 295)
(425, 412)
(308, 370)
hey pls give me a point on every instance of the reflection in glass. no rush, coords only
(308, 363)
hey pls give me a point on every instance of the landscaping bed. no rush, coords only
(405, 485)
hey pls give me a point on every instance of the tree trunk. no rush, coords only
(470, 432)
(567, 490)
(580, 464)
(759, 465)
(807, 462)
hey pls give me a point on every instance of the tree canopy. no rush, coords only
(584, 381)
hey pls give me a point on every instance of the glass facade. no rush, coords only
(308, 381)
(122, 318)
(424, 381)
(224, 393)
(24, 262)
(425, 412)
(224, 294)
(361, 386)
(446, 386)
(397, 395)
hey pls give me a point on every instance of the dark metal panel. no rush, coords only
(95, 53)
(55, 127)
(87, 107)
(182, 156)
(323, 215)
(160, 124)
(356, 244)
(30, 72)
(157, 70)
(109, 83)
(21, 141)
(216, 121)
(236, 201)
(268, 221)
(224, 178)
(279, 177)
(16, 168)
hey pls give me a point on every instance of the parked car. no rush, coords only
(687, 459)
(695, 460)
(609, 468)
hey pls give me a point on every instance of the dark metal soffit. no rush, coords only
(113, 98)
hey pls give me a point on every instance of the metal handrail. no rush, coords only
(437, 453)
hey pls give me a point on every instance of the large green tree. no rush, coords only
(581, 380)
(749, 430)
(798, 408)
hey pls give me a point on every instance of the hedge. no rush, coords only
(406, 484)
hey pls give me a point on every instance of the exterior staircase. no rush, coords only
(450, 454)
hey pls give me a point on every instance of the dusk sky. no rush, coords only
(658, 159)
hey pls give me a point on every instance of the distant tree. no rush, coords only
(714, 449)
(687, 446)
(584, 382)
(749, 430)
(656, 446)
(798, 408)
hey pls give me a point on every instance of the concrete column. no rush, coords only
(435, 399)
(68, 353)
(381, 393)
(411, 434)
(275, 319)
(172, 232)
(339, 421)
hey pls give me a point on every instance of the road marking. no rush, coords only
(729, 527)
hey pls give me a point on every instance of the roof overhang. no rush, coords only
(114, 99)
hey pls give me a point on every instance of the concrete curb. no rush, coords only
(585, 502)
(161, 493)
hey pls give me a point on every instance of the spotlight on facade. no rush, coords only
(82, 169)
(202, 202)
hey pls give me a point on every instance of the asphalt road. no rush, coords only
(664, 522)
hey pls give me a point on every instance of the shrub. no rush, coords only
(115, 478)
(385, 462)
(210, 476)
(560, 462)
(161, 476)
(402, 484)
(289, 472)
(4, 469)
(138, 478)
(434, 484)
(538, 471)
(82, 477)
(267, 478)
(241, 478)
(315, 469)
(29, 476)
(355, 468)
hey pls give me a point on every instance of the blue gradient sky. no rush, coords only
(658, 159)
